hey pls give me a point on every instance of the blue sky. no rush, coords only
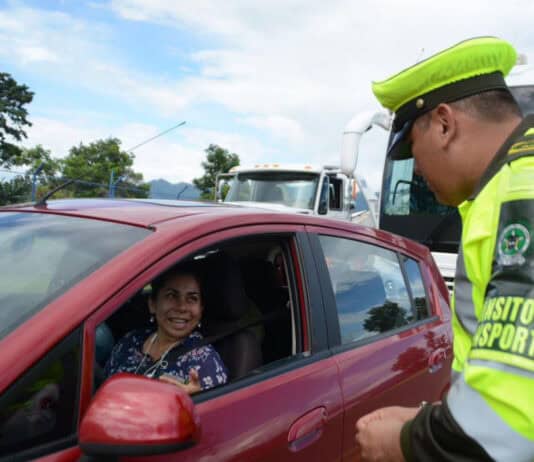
(270, 80)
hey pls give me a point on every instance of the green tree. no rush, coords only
(218, 160)
(33, 158)
(18, 188)
(93, 163)
(13, 116)
(385, 317)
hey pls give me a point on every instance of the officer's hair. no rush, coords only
(490, 106)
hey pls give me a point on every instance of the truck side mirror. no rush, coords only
(323, 199)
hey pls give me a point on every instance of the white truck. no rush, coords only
(406, 206)
(306, 189)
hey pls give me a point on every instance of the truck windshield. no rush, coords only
(43, 255)
(293, 189)
(409, 208)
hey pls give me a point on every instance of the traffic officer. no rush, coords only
(455, 115)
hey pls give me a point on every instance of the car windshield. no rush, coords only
(294, 189)
(43, 255)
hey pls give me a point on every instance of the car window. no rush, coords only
(413, 273)
(43, 255)
(249, 314)
(369, 288)
(42, 406)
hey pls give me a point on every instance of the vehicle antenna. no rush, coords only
(49, 194)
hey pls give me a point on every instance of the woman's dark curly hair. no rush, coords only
(189, 268)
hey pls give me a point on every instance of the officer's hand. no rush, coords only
(378, 434)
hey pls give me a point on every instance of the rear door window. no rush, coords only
(369, 288)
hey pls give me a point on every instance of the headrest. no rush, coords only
(226, 299)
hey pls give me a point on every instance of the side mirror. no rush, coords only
(132, 415)
(322, 208)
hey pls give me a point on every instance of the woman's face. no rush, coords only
(177, 306)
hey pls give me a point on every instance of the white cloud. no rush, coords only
(296, 69)
(30, 54)
(313, 62)
(59, 136)
(282, 127)
(174, 157)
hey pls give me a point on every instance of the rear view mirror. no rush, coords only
(136, 416)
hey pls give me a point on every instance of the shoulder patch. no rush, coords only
(514, 241)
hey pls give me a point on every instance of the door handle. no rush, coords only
(436, 360)
(306, 429)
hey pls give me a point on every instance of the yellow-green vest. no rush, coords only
(492, 395)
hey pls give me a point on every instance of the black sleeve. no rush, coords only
(433, 435)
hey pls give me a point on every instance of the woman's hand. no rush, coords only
(191, 387)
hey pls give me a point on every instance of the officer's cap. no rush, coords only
(468, 68)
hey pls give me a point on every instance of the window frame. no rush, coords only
(403, 258)
(332, 320)
(298, 257)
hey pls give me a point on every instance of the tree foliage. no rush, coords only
(218, 160)
(19, 187)
(15, 190)
(94, 163)
(386, 317)
(38, 158)
(13, 116)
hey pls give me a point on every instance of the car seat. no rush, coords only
(262, 285)
(226, 306)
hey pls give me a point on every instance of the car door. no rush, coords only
(388, 336)
(290, 409)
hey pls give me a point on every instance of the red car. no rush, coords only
(333, 320)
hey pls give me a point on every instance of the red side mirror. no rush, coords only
(132, 415)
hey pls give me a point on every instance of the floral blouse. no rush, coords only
(128, 356)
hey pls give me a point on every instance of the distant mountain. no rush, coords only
(162, 189)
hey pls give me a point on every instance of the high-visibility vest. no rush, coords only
(492, 394)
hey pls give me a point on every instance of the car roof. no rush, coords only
(150, 213)
(137, 212)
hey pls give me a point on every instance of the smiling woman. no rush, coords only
(176, 307)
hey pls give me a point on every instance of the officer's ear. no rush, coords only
(446, 124)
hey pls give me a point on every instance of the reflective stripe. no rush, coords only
(463, 296)
(502, 367)
(455, 375)
(482, 424)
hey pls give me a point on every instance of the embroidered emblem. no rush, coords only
(513, 243)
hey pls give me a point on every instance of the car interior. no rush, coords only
(249, 307)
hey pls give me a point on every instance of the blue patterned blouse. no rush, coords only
(128, 356)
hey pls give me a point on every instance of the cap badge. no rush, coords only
(419, 103)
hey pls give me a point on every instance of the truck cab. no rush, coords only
(305, 189)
